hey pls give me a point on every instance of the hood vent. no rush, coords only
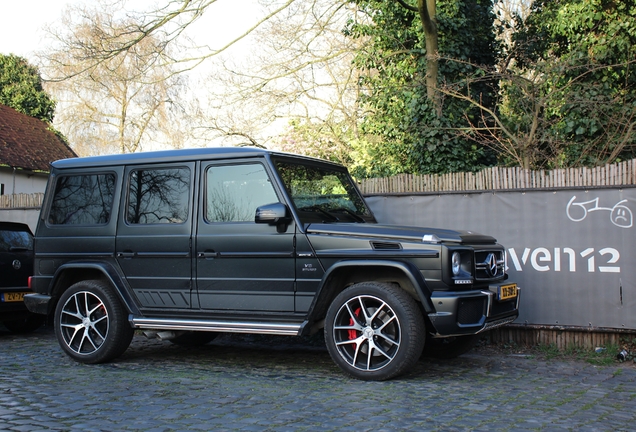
(385, 246)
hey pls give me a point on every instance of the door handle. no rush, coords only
(207, 254)
(125, 255)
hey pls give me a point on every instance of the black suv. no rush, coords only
(16, 265)
(189, 243)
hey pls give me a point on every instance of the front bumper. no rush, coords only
(472, 312)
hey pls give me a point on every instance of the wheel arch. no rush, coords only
(71, 273)
(347, 273)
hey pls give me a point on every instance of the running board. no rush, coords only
(217, 326)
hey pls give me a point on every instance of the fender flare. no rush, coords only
(408, 269)
(111, 274)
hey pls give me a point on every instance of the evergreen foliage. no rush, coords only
(412, 136)
(21, 88)
(586, 52)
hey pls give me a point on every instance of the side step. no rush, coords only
(217, 326)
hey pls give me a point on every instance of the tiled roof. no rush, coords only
(26, 142)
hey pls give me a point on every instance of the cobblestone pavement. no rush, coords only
(259, 384)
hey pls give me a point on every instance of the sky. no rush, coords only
(22, 22)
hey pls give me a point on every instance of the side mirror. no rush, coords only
(273, 214)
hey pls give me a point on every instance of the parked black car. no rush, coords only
(193, 242)
(16, 265)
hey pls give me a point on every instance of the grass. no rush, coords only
(606, 356)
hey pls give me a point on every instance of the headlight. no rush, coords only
(456, 263)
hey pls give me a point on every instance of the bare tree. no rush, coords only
(115, 72)
(521, 128)
(302, 69)
(119, 103)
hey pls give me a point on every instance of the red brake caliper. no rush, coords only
(353, 334)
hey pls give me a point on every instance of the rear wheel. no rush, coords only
(374, 331)
(90, 323)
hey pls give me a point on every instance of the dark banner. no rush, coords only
(571, 251)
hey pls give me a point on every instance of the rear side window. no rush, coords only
(82, 200)
(158, 196)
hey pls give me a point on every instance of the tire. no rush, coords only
(194, 338)
(90, 323)
(374, 331)
(30, 323)
(449, 348)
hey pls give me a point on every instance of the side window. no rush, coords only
(233, 192)
(158, 196)
(82, 200)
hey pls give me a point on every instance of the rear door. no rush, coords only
(16, 255)
(241, 265)
(154, 234)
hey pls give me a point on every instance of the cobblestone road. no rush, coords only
(262, 384)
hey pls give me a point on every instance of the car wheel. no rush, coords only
(90, 323)
(448, 348)
(374, 331)
(30, 323)
(194, 338)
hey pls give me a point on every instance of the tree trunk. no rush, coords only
(428, 16)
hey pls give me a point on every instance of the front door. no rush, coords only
(154, 234)
(241, 265)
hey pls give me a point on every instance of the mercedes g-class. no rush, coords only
(190, 243)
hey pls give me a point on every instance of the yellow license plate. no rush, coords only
(507, 292)
(13, 296)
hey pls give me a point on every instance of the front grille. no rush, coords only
(471, 310)
(489, 264)
(502, 307)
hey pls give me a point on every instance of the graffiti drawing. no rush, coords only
(620, 214)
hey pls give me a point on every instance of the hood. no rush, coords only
(397, 232)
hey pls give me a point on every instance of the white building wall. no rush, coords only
(21, 181)
(27, 216)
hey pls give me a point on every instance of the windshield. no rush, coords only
(323, 193)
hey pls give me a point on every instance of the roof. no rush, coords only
(182, 155)
(161, 156)
(27, 143)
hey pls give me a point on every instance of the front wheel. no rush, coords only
(90, 323)
(374, 331)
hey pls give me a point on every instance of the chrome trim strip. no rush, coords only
(218, 326)
(490, 295)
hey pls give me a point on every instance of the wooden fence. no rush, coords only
(498, 178)
(561, 338)
(25, 201)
